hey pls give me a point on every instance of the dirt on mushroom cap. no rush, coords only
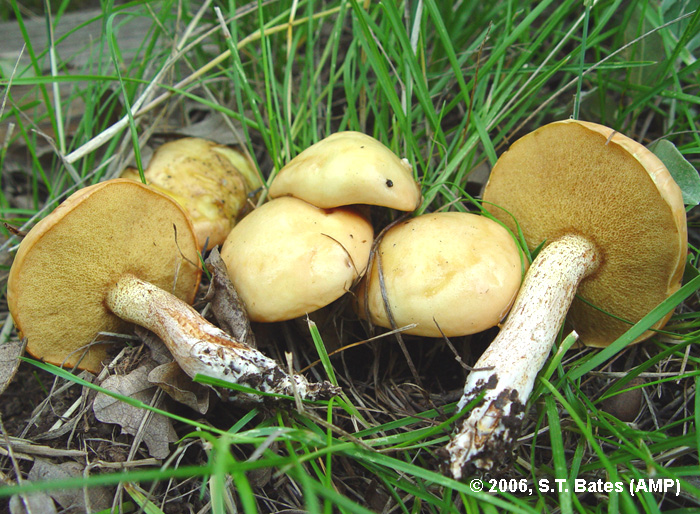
(581, 178)
(211, 181)
(67, 262)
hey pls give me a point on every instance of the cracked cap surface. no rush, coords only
(211, 181)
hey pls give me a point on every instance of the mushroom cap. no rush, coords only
(211, 181)
(349, 168)
(288, 258)
(459, 270)
(68, 261)
(573, 177)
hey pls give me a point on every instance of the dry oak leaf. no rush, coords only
(228, 308)
(158, 431)
(180, 387)
(71, 500)
(9, 362)
(33, 503)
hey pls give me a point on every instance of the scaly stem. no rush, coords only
(202, 348)
(508, 368)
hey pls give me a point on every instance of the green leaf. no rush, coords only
(322, 352)
(685, 175)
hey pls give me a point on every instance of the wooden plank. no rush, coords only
(79, 48)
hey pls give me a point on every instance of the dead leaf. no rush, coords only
(169, 376)
(212, 126)
(71, 500)
(159, 352)
(180, 387)
(9, 362)
(227, 306)
(158, 431)
(34, 503)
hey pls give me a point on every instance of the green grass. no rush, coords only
(447, 85)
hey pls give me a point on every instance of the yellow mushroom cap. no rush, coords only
(211, 181)
(69, 260)
(349, 168)
(574, 177)
(459, 270)
(288, 257)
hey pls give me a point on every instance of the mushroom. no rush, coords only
(613, 222)
(349, 168)
(109, 254)
(450, 273)
(211, 181)
(288, 258)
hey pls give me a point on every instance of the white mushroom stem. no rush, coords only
(508, 368)
(202, 348)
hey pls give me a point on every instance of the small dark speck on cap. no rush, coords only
(389, 183)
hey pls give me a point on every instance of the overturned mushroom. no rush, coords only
(288, 258)
(349, 168)
(211, 181)
(614, 223)
(450, 273)
(109, 254)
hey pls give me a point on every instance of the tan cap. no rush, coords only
(349, 168)
(288, 257)
(580, 178)
(459, 270)
(68, 261)
(211, 181)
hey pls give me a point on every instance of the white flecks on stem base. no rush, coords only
(508, 368)
(202, 348)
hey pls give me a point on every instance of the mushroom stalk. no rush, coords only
(202, 348)
(508, 368)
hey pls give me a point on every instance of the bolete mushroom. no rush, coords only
(288, 258)
(211, 181)
(109, 254)
(450, 273)
(613, 222)
(349, 168)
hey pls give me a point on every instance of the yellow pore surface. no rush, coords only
(574, 177)
(69, 260)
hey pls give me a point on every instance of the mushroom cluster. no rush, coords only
(613, 224)
(120, 252)
(311, 242)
